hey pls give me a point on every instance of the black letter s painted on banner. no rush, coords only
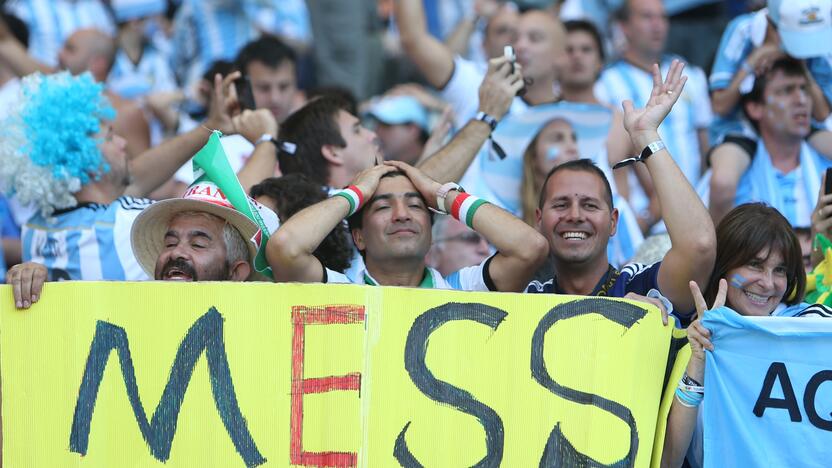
(443, 392)
(559, 452)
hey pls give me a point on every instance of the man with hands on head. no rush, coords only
(389, 209)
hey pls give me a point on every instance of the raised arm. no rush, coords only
(253, 125)
(431, 56)
(496, 93)
(290, 249)
(15, 56)
(681, 421)
(155, 166)
(520, 248)
(692, 235)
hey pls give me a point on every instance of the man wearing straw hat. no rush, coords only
(198, 237)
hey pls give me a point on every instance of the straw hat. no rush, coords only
(148, 233)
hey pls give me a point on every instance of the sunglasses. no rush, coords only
(471, 237)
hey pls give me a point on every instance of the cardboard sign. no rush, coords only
(221, 374)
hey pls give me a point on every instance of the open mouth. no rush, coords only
(574, 235)
(178, 270)
(757, 299)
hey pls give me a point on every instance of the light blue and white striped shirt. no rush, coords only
(498, 180)
(210, 30)
(622, 80)
(794, 194)
(151, 75)
(89, 242)
(51, 22)
(744, 34)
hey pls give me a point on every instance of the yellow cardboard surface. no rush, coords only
(340, 396)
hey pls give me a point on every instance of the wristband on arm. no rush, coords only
(354, 196)
(464, 207)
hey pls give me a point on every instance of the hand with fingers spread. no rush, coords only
(224, 104)
(26, 280)
(699, 336)
(424, 184)
(664, 95)
(499, 87)
(652, 301)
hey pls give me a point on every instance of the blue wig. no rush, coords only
(50, 149)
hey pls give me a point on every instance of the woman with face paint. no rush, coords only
(758, 272)
(557, 143)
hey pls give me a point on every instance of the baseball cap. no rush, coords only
(805, 26)
(399, 110)
(126, 10)
(147, 235)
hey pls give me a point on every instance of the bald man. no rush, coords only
(85, 50)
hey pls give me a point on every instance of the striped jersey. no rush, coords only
(152, 74)
(744, 34)
(793, 194)
(622, 80)
(88, 242)
(210, 30)
(51, 22)
(498, 180)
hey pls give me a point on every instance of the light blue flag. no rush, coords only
(768, 398)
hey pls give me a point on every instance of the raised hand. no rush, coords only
(499, 87)
(252, 124)
(664, 95)
(224, 104)
(699, 336)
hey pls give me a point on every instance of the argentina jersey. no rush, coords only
(793, 194)
(151, 75)
(621, 81)
(88, 242)
(51, 22)
(498, 180)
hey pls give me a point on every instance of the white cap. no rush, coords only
(804, 26)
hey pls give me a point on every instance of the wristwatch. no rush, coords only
(490, 120)
(648, 150)
(267, 137)
(442, 193)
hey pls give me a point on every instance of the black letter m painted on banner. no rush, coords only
(205, 334)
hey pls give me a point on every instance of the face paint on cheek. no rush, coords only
(552, 153)
(737, 281)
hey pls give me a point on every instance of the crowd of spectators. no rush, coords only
(670, 152)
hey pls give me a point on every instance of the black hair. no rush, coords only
(310, 128)
(17, 27)
(589, 28)
(788, 65)
(294, 192)
(580, 165)
(356, 221)
(269, 50)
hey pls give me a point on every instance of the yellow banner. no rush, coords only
(221, 374)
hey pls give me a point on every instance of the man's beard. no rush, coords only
(215, 274)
